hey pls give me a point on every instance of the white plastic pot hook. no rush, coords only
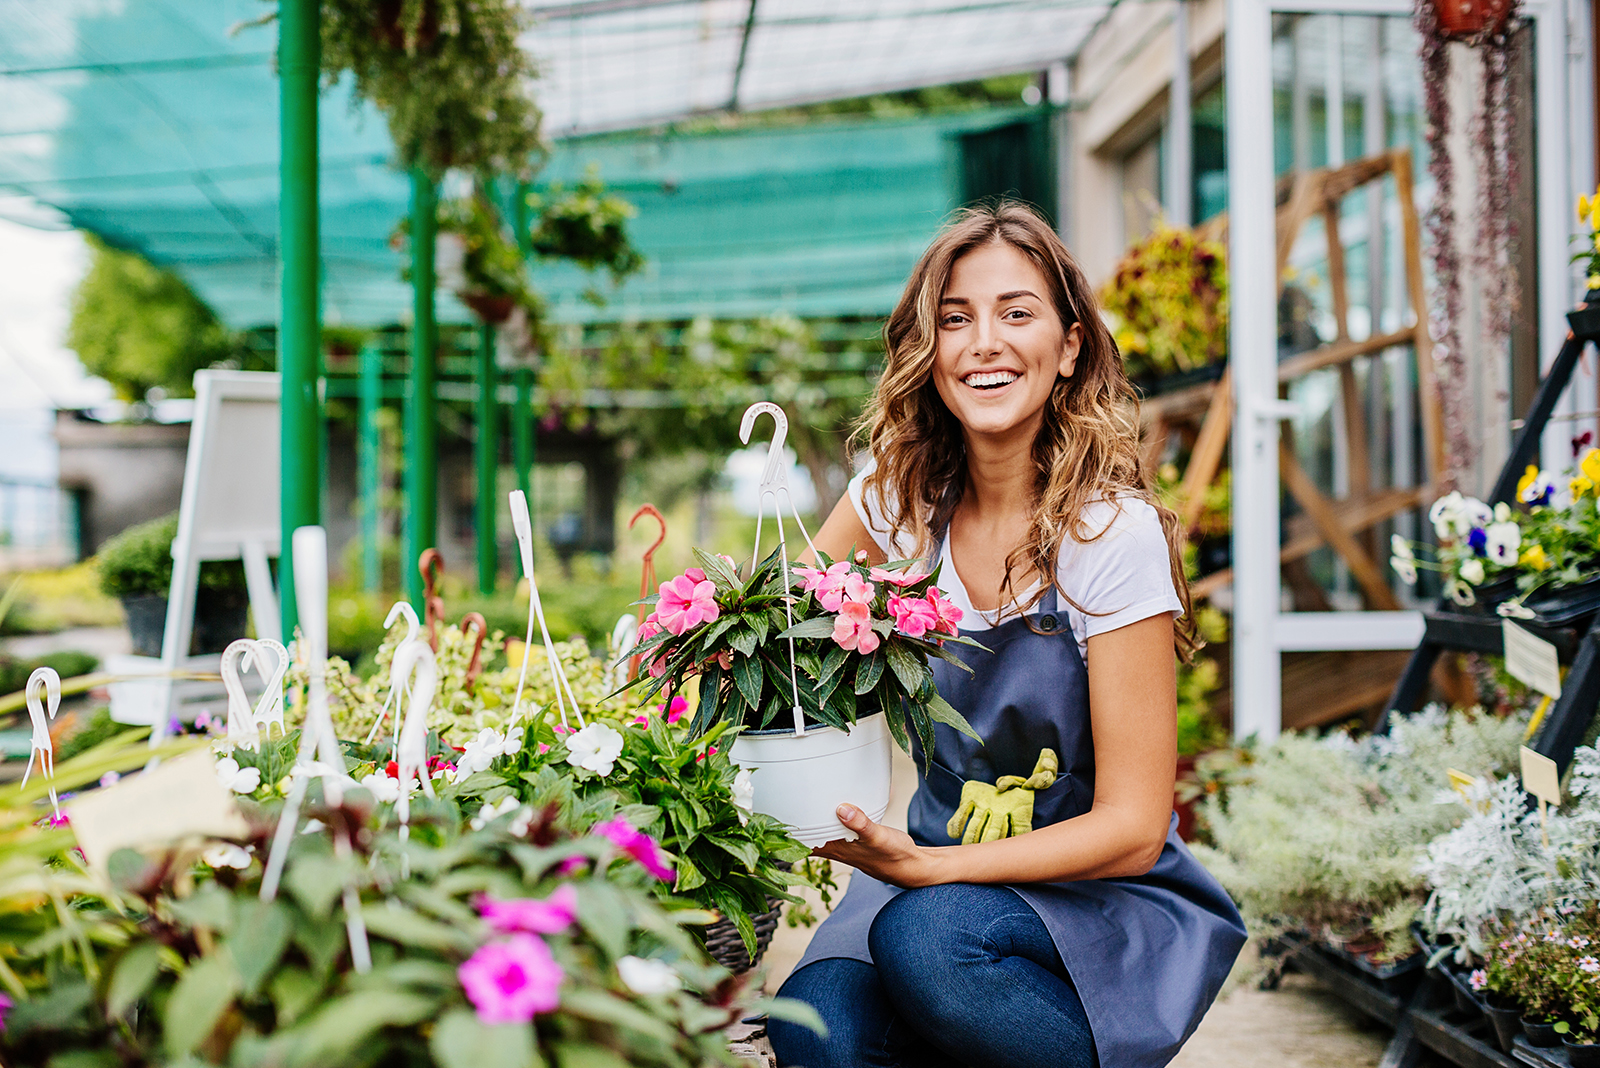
(399, 610)
(242, 728)
(775, 484)
(522, 523)
(269, 710)
(46, 680)
(414, 664)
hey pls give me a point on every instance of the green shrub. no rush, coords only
(138, 562)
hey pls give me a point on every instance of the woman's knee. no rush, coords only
(937, 927)
(849, 997)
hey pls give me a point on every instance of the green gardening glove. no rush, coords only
(1004, 810)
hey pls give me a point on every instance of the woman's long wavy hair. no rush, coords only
(1087, 448)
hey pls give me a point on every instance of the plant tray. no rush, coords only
(1527, 1053)
(1567, 605)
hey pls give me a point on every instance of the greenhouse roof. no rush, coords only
(154, 123)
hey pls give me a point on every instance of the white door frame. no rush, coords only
(1261, 630)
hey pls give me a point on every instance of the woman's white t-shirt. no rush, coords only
(1119, 578)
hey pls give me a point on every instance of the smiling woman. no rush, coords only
(1003, 450)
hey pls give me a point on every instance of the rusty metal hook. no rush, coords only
(431, 564)
(475, 665)
(647, 575)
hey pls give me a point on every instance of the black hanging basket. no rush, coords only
(727, 948)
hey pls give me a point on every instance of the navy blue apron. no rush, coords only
(1147, 954)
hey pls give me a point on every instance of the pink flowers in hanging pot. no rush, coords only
(853, 628)
(687, 601)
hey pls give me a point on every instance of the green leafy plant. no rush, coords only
(861, 639)
(586, 225)
(1168, 300)
(138, 562)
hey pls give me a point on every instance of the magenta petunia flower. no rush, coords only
(913, 616)
(512, 980)
(852, 629)
(5, 1006)
(686, 603)
(638, 845)
(573, 866)
(551, 916)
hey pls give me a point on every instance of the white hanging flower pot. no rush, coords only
(802, 779)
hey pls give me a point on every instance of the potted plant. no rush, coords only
(136, 566)
(818, 666)
(1585, 318)
(1168, 300)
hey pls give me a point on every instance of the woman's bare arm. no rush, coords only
(843, 533)
(1133, 713)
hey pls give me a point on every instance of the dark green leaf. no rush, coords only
(747, 675)
(574, 1055)
(603, 914)
(202, 995)
(607, 1008)
(259, 940)
(316, 882)
(944, 712)
(398, 923)
(816, 627)
(689, 876)
(717, 569)
(833, 661)
(321, 942)
(869, 672)
(909, 668)
(745, 852)
(293, 990)
(346, 1022)
(461, 1040)
(743, 640)
(132, 977)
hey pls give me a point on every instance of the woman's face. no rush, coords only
(1001, 344)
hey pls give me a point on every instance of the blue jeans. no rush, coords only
(962, 975)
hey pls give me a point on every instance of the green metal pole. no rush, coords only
(369, 459)
(422, 442)
(488, 455)
(523, 441)
(300, 326)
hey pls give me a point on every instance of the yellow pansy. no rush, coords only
(1583, 207)
(1579, 486)
(1535, 558)
(1527, 480)
(1589, 466)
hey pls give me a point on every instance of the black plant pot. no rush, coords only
(1465, 1002)
(1582, 1054)
(1543, 1035)
(1506, 1023)
(220, 616)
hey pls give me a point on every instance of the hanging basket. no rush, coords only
(493, 308)
(1469, 18)
(727, 948)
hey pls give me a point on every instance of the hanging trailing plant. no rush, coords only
(1485, 27)
(448, 76)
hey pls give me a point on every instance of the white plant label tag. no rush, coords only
(180, 798)
(1531, 659)
(1540, 777)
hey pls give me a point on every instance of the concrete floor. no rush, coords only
(1299, 1025)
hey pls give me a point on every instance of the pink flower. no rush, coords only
(914, 616)
(709, 752)
(948, 614)
(572, 866)
(637, 844)
(696, 574)
(550, 916)
(543, 749)
(5, 1005)
(853, 628)
(512, 980)
(649, 628)
(815, 579)
(678, 706)
(836, 585)
(897, 578)
(686, 603)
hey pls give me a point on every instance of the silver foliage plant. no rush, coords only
(1495, 868)
(1328, 834)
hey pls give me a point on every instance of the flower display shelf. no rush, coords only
(1577, 640)
(1421, 1010)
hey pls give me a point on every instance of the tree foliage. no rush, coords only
(140, 327)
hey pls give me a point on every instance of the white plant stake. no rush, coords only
(47, 680)
(242, 730)
(319, 746)
(775, 484)
(413, 657)
(399, 610)
(523, 525)
(269, 710)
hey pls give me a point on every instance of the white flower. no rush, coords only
(482, 751)
(226, 855)
(382, 787)
(596, 748)
(1502, 542)
(1515, 610)
(491, 812)
(1401, 547)
(1472, 570)
(1502, 512)
(1453, 516)
(1462, 594)
(239, 780)
(648, 976)
(744, 795)
(1536, 490)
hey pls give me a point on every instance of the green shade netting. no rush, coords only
(149, 123)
